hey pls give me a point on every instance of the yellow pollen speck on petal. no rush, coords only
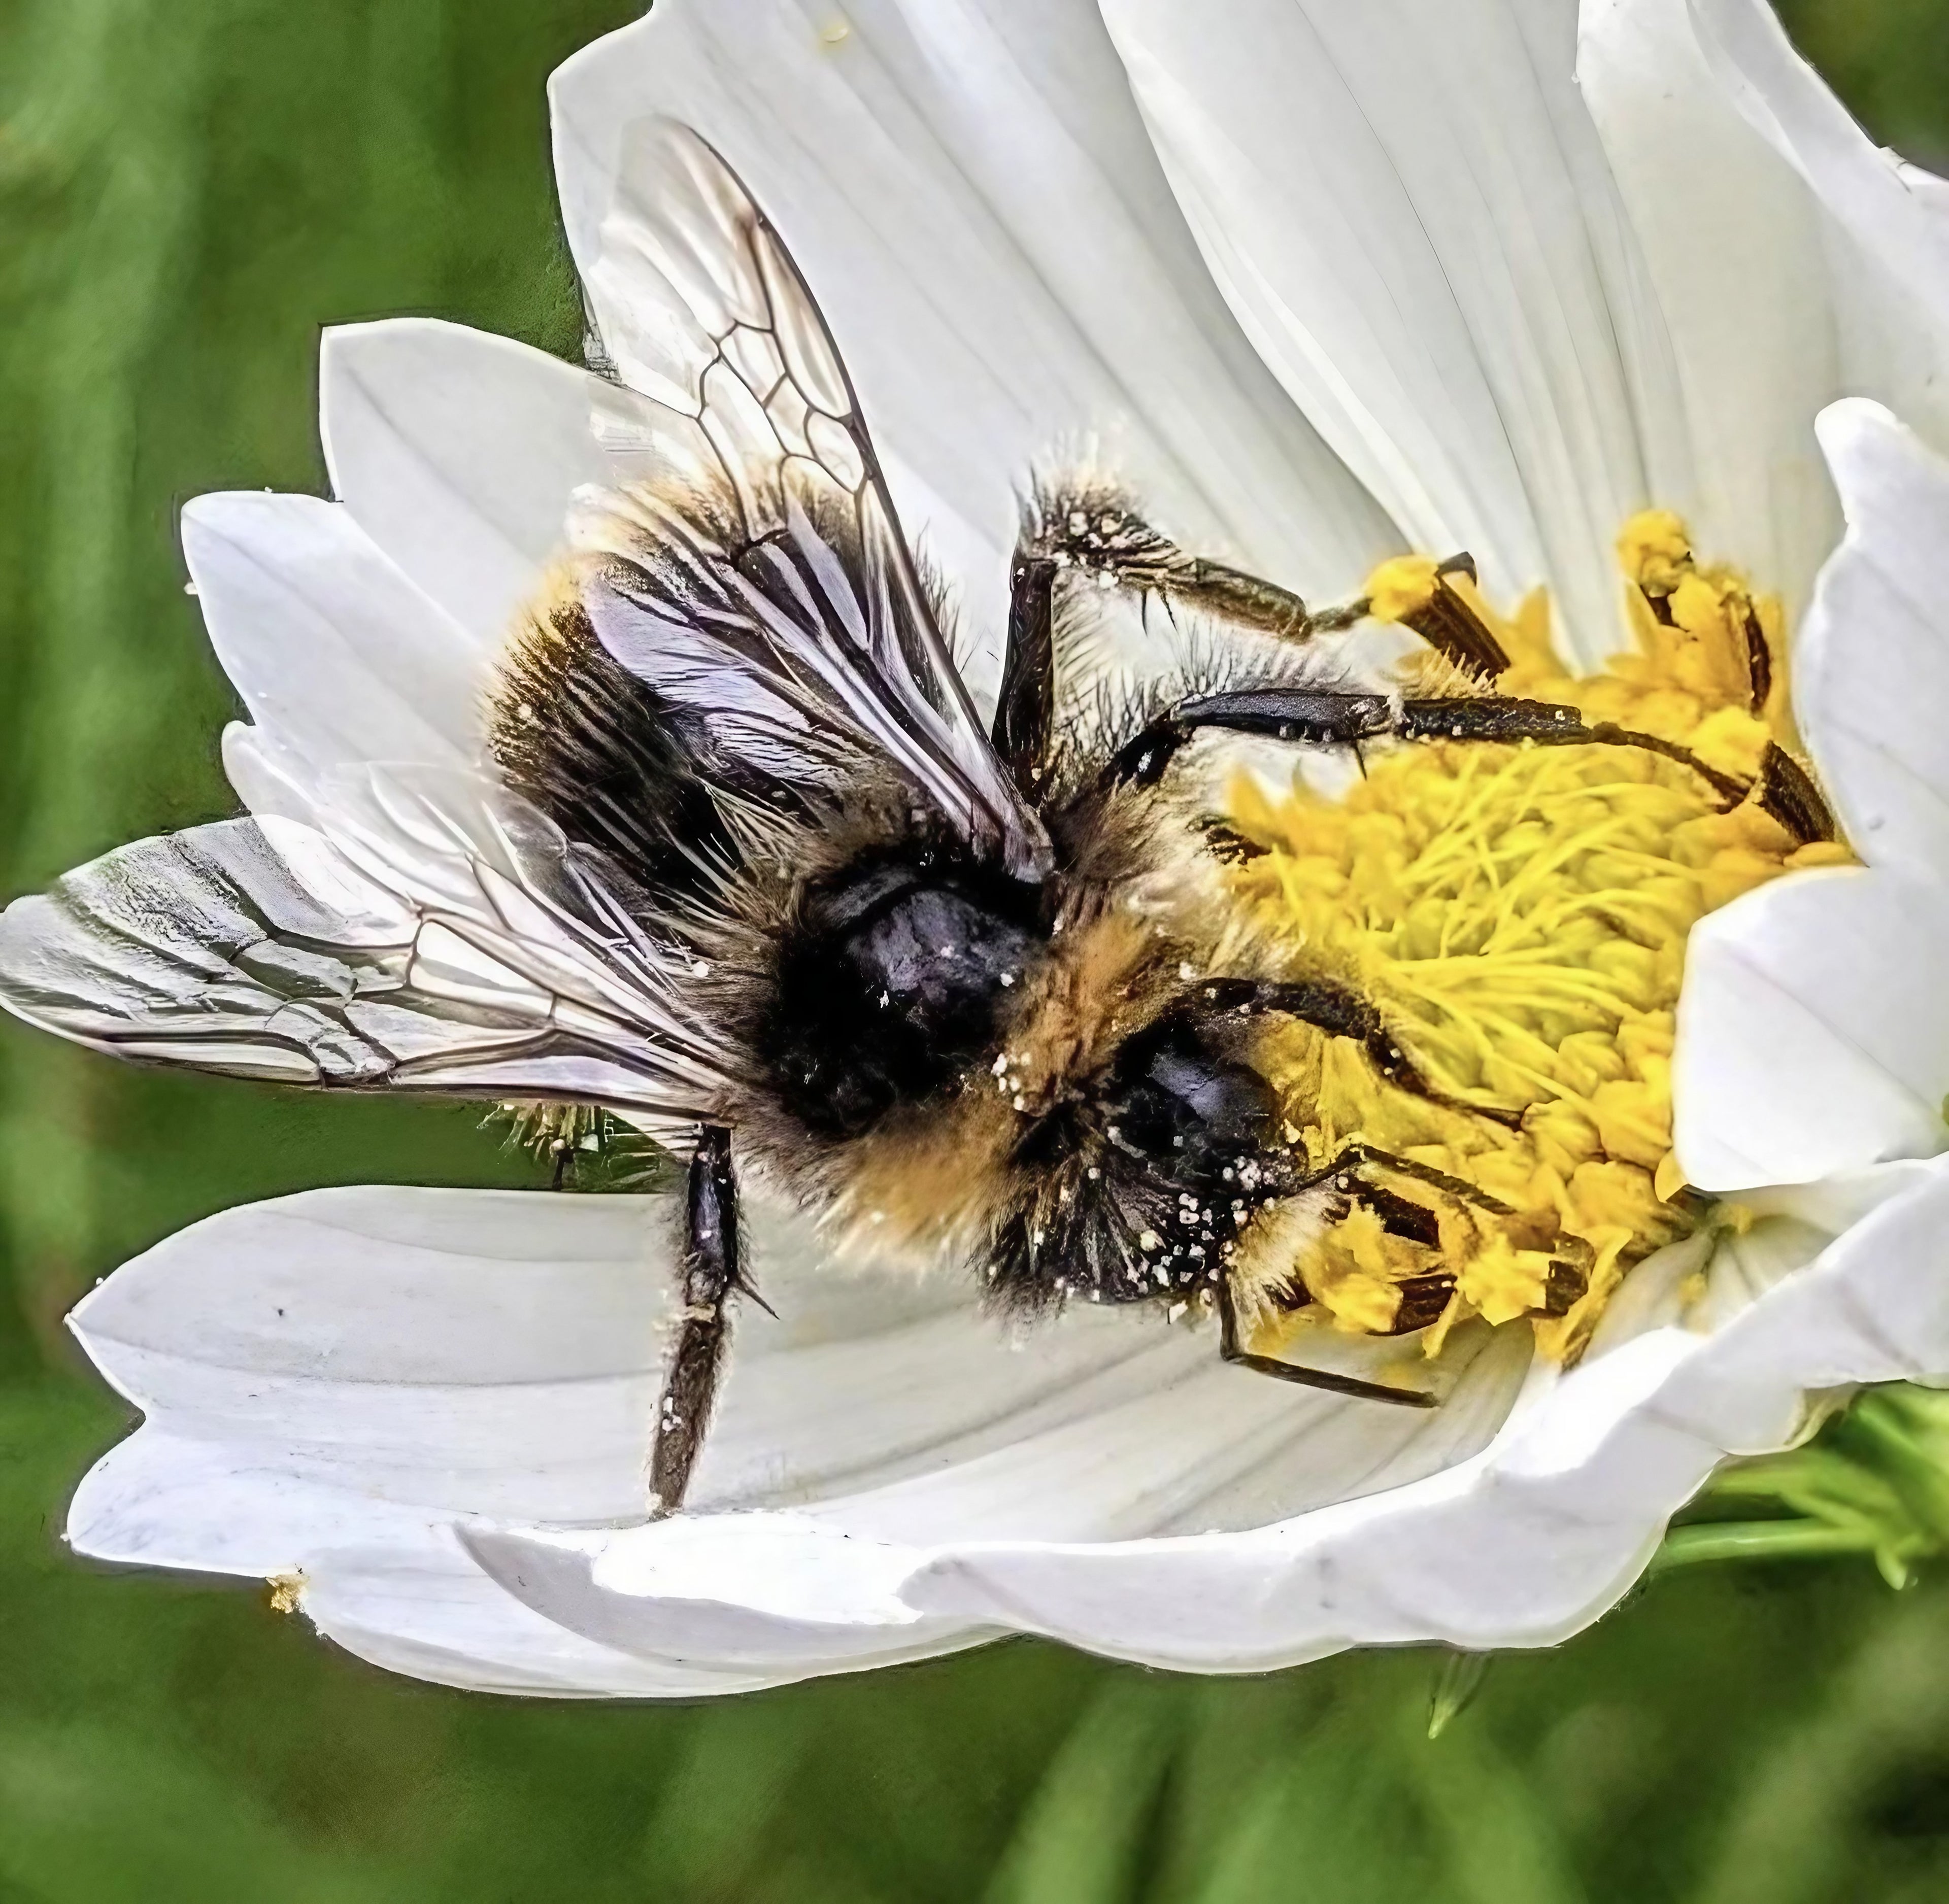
(1519, 915)
(1400, 587)
(287, 1590)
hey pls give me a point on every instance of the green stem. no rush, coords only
(1756, 1540)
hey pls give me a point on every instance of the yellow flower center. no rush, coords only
(1519, 915)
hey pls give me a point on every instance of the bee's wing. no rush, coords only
(760, 583)
(263, 948)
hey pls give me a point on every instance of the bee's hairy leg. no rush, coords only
(1314, 717)
(1460, 1188)
(1341, 1012)
(1103, 535)
(1788, 792)
(712, 1270)
(1306, 717)
(1024, 726)
(1231, 1350)
(1501, 717)
(1100, 534)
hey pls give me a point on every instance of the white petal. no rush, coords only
(391, 1582)
(1888, 244)
(1871, 669)
(969, 193)
(1813, 1030)
(1733, 240)
(761, 1593)
(1535, 1537)
(339, 657)
(332, 1381)
(457, 453)
(443, 1360)
(1813, 1034)
(1785, 99)
(368, 1366)
(488, 1353)
(1407, 206)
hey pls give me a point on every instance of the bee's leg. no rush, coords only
(1422, 1298)
(1304, 717)
(1788, 793)
(1459, 1187)
(1448, 623)
(1314, 717)
(713, 1269)
(1102, 535)
(1098, 533)
(1341, 1012)
(1233, 1350)
(1024, 727)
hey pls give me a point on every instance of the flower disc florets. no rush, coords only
(1521, 914)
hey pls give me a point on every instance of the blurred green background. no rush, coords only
(187, 191)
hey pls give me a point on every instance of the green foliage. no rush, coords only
(1875, 1483)
(186, 192)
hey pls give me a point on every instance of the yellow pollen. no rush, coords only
(1400, 587)
(1519, 915)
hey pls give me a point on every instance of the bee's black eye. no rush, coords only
(1182, 1103)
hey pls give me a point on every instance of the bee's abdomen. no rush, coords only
(595, 750)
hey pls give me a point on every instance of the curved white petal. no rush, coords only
(1871, 669)
(764, 1594)
(968, 190)
(402, 1394)
(1733, 241)
(340, 659)
(1867, 188)
(391, 1582)
(333, 1380)
(1887, 243)
(1813, 1030)
(1814, 1033)
(456, 452)
(1539, 1534)
(1518, 1545)
(428, 1407)
(1407, 206)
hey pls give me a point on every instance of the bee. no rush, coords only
(744, 868)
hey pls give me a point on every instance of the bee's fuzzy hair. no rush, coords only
(1138, 902)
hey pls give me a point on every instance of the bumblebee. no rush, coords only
(745, 868)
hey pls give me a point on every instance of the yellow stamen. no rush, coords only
(1400, 587)
(1520, 913)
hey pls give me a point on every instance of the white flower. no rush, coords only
(1321, 281)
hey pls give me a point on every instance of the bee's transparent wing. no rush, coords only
(756, 576)
(265, 950)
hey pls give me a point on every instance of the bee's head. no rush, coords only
(894, 975)
(1141, 1186)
